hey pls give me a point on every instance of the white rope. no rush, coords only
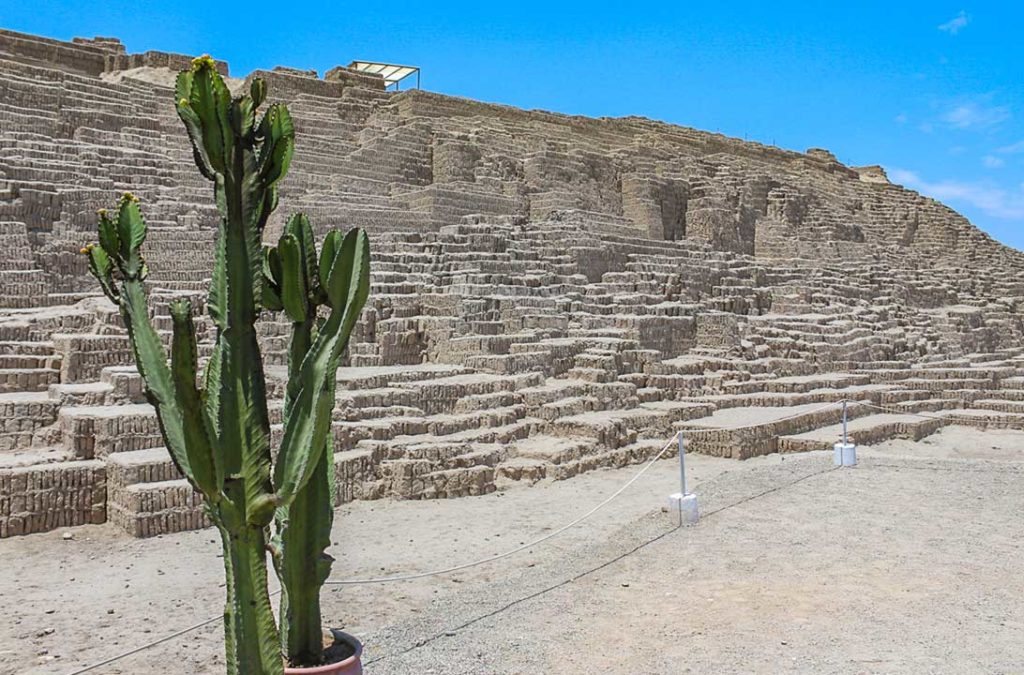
(506, 554)
(144, 647)
(540, 540)
(944, 418)
(550, 535)
(755, 425)
(154, 643)
(475, 563)
(206, 622)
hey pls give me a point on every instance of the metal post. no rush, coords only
(682, 500)
(844, 422)
(682, 465)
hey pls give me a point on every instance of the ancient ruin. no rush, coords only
(550, 293)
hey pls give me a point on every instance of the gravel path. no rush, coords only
(898, 566)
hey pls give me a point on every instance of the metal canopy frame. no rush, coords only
(392, 73)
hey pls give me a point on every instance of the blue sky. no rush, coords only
(931, 90)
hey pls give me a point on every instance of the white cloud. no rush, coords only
(956, 24)
(975, 115)
(990, 199)
(992, 162)
(1012, 149)
(900, 119)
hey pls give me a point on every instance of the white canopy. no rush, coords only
(391, 72)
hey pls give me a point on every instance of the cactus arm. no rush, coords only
(211, 401)
(207, 470)
(216, 301)
(102, 268)
(302, 230)
(305, 519)
(342, 274)
(278, 134)
(308, 423)
(303, 526)
(304, 565)
(109, 239)
(151, 361)
(183, 94)
(258, 91)
(206, 96)
(271, 297)
(304, 531)
(302, 340)
(293, 286)
(332, 243)
(120, 244)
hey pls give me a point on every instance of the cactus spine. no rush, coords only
(218, 433)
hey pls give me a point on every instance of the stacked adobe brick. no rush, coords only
(551, 293)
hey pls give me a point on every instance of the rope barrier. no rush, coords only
(826, 406)
(206, 622)
(154, 643)
(944, 418)
(506, 554)
(550, 535)
(475, 563)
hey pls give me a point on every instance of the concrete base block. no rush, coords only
(844, 454)
(686, 505)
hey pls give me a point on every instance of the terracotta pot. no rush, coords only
(353, 665)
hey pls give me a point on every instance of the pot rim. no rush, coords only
(352, 640)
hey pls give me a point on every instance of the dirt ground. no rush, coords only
(912, 562)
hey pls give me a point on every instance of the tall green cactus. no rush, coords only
(218, 433)
(297, 282)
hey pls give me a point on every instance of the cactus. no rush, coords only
(218, 433)
(297, 282)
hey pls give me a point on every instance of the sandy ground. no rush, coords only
(910, 563)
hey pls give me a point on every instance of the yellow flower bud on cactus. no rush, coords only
(204, 61)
